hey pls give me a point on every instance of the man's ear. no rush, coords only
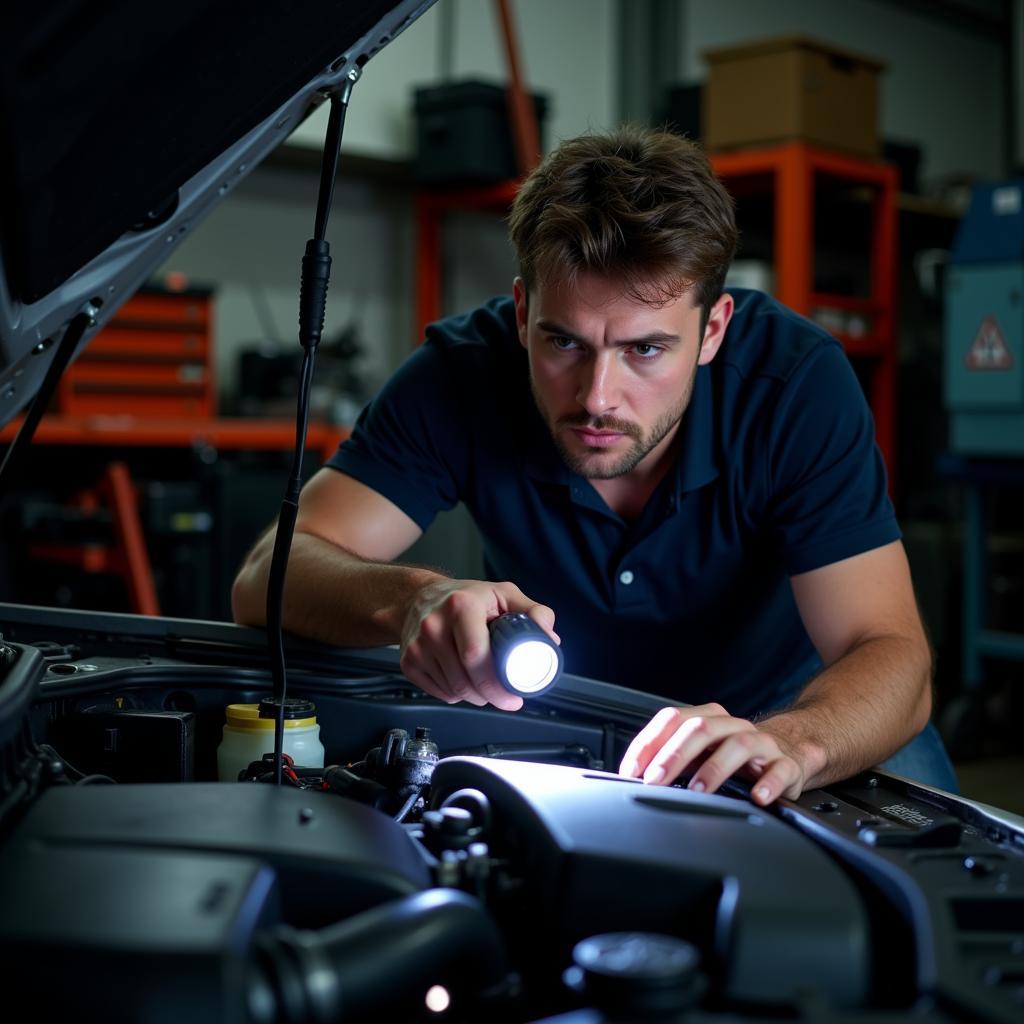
(714, 330)
(519, 295)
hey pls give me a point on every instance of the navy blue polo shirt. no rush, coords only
(777, 474)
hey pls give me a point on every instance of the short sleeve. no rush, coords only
(409, 443)
(827, 485)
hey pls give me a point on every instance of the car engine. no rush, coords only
(453, 863)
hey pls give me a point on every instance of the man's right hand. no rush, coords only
(446, 648)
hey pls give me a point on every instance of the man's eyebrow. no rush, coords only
(652, 338)
(563, 332)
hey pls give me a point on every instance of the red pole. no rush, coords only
(520, 106)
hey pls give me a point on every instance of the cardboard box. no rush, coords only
(792, 87)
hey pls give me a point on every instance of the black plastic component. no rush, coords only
(130, 745)
(294, 707)
(637, 976)
(316, 274)
(347, 783)
(354, 857)
(475, 802)
(418, 760)
(377, 965)
(944, 832)
(20, 673)
(899, 821)
(403, 764)
(103, 932)
(463, 133)
(977, 866)
(450, 828)
(666, 866)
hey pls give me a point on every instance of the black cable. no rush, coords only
(410, 803)
(316, 272)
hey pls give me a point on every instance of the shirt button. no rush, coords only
(625, 577)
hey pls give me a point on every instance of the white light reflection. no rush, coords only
(438, 1000)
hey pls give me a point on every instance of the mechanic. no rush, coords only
(679, 481)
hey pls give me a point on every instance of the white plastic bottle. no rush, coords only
(247, 737)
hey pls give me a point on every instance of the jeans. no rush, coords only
(924, 759)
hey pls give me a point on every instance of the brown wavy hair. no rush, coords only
(635, 204)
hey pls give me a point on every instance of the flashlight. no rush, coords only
(527, 659)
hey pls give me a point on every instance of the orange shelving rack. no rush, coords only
(794, 171)
(431, 207)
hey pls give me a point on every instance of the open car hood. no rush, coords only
(124, 125)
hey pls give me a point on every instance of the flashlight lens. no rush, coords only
(528, 661)
(531, 665)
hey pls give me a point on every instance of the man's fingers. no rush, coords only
(648, 741)
(736, 750)
(456, 681)
(656, 752)
(426, 683)
(497, 695)
(446, 646)
(512, 599)
(694, 737)
(473, 653)
(472, 643)
(545, 618)
(781, 778)
(714, 746)
(472, 683)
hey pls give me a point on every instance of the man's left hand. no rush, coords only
(707, 738)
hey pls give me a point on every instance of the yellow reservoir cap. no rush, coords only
(247, 716)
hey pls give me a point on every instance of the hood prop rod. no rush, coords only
(316, 272)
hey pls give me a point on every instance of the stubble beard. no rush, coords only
(590, 466)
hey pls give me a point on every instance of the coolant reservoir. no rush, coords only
(247, 737)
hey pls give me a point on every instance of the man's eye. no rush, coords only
(562, 344)
(646, 351)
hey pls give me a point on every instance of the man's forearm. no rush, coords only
(330, 594)
(858, 711)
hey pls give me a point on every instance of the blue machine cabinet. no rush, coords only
(984, 325)
(983, 380)
(981, 477)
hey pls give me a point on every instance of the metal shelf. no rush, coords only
(792, 172)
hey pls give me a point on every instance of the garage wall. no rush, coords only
(567, 50)
(943, 88)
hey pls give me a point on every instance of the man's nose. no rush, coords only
(599, 387)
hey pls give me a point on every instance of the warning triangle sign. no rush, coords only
(989, 350)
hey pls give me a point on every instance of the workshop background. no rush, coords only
(167, 449)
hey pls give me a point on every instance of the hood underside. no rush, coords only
(125, 124)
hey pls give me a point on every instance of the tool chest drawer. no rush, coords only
(154, 358)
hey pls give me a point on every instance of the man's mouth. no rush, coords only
(597, 438)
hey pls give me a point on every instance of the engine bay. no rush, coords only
(453, 863)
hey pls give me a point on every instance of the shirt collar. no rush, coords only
(695, 463)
